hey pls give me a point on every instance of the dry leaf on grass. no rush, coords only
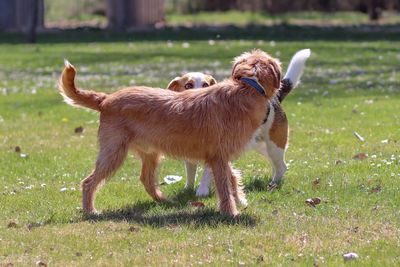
(133, 229)
(196, 204)
(41, 263)
(360, 156)
(316, 182)
(12, 224)
(313, 201)
(338, 161)
(376, 189)
(79, 130)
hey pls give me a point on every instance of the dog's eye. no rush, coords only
(189, 86)
(205, 85)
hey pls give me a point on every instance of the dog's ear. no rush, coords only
(211, 80)
(274, 69)
(268, 72)
(174, 85)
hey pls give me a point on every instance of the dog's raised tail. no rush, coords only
(293, 73)
(74, 96)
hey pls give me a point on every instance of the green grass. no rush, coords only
(303, 17)
(348, 86)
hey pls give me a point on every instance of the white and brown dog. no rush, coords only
(271, 138)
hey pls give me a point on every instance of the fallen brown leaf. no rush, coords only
(12, 224)
(376, 189)
(79, 130)
(41, 263)
(316, 182)
(133, 229)
(197, 204)
(360, 156)
(338, 161)
(313, 201)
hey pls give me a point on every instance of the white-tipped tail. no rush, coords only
(297, 65)
(67, 64)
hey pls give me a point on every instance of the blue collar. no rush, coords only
(253, 82)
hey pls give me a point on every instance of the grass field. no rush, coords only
(348, 85)
(304, 17)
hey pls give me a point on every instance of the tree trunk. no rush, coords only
(375, 10)
(32, 21)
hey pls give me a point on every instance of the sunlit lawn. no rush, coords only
(348, 86)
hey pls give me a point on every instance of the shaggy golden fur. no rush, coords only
(271, 138)
(213, 125)
(190, 81)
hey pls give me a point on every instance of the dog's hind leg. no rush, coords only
(222, 175)
(276, 147)
(190, 174)
(204, 187)
(148, 176)
(112, 153)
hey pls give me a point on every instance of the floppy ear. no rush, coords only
(174, 84)
(211, 80)
(275, 70)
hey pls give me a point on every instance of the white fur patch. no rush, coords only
(199, 79)
(297, 65)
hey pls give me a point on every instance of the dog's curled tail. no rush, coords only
(293, 73)
(74, 96)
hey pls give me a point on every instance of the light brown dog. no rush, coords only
(213, 125)
(271, 138)
(190, 81)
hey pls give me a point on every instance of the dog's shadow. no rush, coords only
(173, 212)
(176, 212)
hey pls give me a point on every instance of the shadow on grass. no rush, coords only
(261, 184)
(165, 214)
(175, 211)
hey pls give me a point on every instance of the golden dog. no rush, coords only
(212, 125)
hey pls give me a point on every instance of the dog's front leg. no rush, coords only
(222, 175)
(190, 175)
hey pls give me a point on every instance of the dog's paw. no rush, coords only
(202, 192)
(272, 186)
(189, 188)
(243, 202)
